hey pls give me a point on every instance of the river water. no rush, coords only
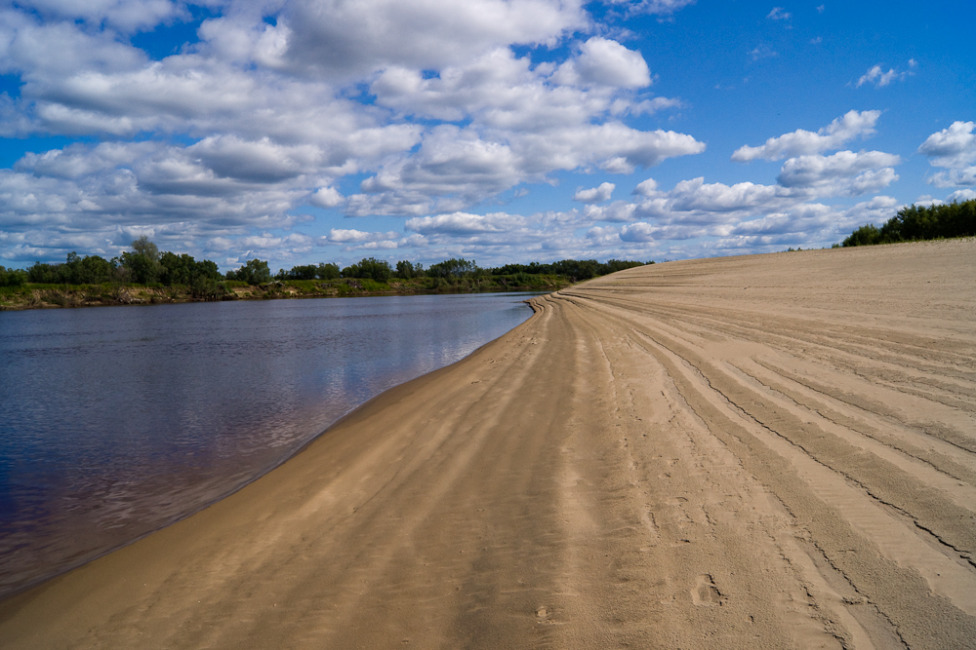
(117, 421)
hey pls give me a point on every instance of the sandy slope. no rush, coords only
(749, 452)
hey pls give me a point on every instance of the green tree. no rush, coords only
(303, 272)
(915, 223)
(328, 271)
(94, 270)
(369, 268)
(577, 270)
(612, 266)
(12, 277)
(43, 273)
(176, 269)
(452, 268)
(143, 261)
(406, 270)
(254, 271)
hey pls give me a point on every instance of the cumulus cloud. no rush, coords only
(647, 187)
(602, 62)
(662, 8)
(696, 195)
(961, 195)
(952, 147)
(125, 15)
(595, 194)
(639, 232)
(695, 203)
(778, 13)
(843, 173)
(260, 161)
(852, 124)
(462, 223)
(876, 75)
(327, 36)
(965, 177)
(361, 238)
(25, 48)
(326, 197)
(613, 146)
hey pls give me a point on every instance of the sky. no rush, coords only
(498, 131)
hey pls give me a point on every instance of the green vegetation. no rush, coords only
(916, 223)
(145, 275)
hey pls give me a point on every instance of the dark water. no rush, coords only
(116, 421)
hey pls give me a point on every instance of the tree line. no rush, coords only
(146, 265)
(916, 223)
(454, 268)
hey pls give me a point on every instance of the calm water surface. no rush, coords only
(116, 421)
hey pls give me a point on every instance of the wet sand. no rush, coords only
(764, 451)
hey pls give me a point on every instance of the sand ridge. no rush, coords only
(764, 451)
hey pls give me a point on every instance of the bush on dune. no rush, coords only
(918, 223)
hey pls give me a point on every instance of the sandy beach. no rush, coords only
(752, 452)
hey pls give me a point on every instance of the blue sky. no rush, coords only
(306, 131)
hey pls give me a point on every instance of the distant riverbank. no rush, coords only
(49, 296)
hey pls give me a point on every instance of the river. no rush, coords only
(117, 421)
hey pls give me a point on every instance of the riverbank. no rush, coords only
(53, 296)
(771, 450)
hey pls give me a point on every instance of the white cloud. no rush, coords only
(843, 173)
(243, 37)
(964, 177)
(78, 160)
(602, 62)
(612, 145)
(952, 147)
(778, 13)
(762, 51)
(653, 7)
(696, 195)
(646, 187)
(25, 48)
(639, 232)
(961, 195)
(877, 76)
(618, 211)
(696, 203)
(126, 15)
(463, 224)
(261, 161)
(326, 197)
(851, 125)
(595, 194)
(352, 236)
(327, 36)
(645, 106)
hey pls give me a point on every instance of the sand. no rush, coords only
(764, 451)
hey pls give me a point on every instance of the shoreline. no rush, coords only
(673, 455)
(34, 297)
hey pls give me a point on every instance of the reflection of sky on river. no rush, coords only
(118, 420)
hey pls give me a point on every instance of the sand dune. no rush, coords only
(768, 451)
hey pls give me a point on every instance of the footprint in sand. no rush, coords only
(705, 593)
